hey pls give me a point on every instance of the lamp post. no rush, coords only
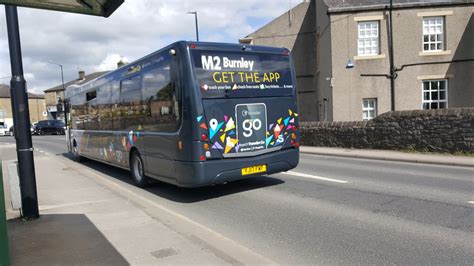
(195, 13)
(58, 111)
(62, 73)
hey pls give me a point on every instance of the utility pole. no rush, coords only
(393, 74)
(21, 118)
(195, 13)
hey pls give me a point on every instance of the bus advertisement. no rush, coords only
(191, 114)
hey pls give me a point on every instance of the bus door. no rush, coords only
(160, 87)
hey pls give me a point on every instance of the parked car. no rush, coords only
(4, 131)
(50, 127)
(32, 129)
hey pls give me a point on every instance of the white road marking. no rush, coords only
(472, 202)
(315, 177)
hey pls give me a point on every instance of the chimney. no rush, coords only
(120, 63)
(82, 75)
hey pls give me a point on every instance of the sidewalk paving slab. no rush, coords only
(437, 159)
(90, 218)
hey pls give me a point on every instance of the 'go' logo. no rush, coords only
(249, 125)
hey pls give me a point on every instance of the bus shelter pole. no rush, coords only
(21, 118)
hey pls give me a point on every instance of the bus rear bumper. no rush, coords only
(197, 174)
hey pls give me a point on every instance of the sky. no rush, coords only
(137, 28)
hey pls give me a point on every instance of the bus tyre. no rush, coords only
(75, 153)
(138, 172)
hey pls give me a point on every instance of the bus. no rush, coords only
(191, 114)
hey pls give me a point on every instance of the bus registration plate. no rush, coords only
(254, 169)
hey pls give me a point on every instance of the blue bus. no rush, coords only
(191, 114)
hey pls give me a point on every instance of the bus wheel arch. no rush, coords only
(137, 168)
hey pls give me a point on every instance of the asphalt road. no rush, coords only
(330, 210)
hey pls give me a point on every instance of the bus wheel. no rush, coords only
(137, 169)
(75, 153)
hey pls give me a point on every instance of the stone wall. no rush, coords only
(445, 130)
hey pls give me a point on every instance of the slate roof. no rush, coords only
(5, 93)
(77, 81)
(359, 5)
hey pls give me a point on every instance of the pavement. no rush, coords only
(436, 159)
(88, 219)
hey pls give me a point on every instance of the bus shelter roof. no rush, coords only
(103, 8)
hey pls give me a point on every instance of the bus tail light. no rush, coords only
(295, 144)
(293, 136)
(192, 46)
(204, 137)
(202, 158)
(206, 146)
(180, 145)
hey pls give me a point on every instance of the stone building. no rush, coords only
(36, 104)
(348, 61)
(56, 94)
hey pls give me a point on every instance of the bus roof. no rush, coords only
(76, 89)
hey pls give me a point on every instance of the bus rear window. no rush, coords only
(242, 74)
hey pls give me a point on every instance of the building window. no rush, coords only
(368, 42)
(435, 94)
(369, 109)
(433, 34)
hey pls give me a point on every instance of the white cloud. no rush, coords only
(137, 28)
(110, 62)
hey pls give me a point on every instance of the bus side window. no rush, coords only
(78, 111)
(159, 97)
(103, 100)
(130, 103)
(93, 112)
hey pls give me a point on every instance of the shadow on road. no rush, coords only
(185, 195)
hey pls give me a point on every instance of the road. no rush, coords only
(329, 210)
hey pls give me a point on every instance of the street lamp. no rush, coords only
(195, 13)
(62, 73)
(59, 105)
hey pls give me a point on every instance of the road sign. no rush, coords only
(103, 8)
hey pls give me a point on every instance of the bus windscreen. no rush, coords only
(242, 74)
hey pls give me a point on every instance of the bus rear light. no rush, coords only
(202, 158)
(292, 143)
(297, 145)
(180, 145)
(204, 137)
(206, 146)
(293, 136)
(192, 46)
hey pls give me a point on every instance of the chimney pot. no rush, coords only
(120, 63)
(82, 75)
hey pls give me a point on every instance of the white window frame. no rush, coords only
(434, 32)
(368, 109)
(430, 91)
(368, 43)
